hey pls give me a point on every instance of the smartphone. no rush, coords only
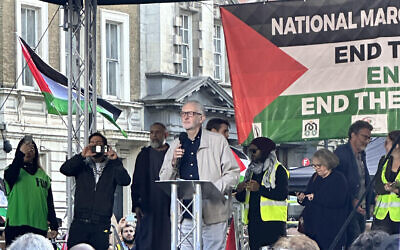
(130, 218)
(99, 149)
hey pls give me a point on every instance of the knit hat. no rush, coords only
(264, 144)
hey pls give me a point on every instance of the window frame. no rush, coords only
(221, 53)
(42, 49)
(122, 20)
(188, 44)
(111, 59)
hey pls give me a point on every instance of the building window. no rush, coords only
(185, 47)
(64, 45)
(29, 30)
(112, 57)
(115, 55)
(31, 22)
(218, 53)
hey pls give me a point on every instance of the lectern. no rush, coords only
(196, 191)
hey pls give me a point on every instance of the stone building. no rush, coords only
(23, 109)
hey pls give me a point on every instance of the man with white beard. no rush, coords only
(149, 202)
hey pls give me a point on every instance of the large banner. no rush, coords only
(305, 70)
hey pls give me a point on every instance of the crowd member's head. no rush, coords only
(31, 241)
(128, 234)
(97, 139)
(260, 148)
(324, 161)
(219, 125)
(158, 134)
(100, 140)
(360, 135)
(390, 139)
(296, 242)
(192, 115)
(370, 240)
(27, 146)
(82, 246)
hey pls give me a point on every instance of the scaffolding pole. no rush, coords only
(78, 18)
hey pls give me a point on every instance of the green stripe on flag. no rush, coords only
(58, 106)
(282, 120)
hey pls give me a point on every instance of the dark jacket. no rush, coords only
(348, 167)
(326, 213)
(142, 181)
(95, 202)
(140, 185)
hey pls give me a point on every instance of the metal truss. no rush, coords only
(81, 69)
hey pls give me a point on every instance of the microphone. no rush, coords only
(182, 137)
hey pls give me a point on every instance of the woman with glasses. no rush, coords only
(387, 210)
(326, 201)
(263, 192)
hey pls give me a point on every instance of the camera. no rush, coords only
(98, 149)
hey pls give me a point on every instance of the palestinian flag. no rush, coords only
(54, 87)
(306, 70)
(242, 160)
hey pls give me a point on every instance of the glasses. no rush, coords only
(366, 137)
(253, 150)
(316, 165)
(189, 113)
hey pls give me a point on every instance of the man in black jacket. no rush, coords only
(97, 171)
(353, 165)
(149, 202)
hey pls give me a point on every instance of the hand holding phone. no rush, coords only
(130, 218)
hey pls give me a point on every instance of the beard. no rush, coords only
(156, 143)
(128, 241)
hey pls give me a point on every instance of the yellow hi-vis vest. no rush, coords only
(270, 210)
(388, 203)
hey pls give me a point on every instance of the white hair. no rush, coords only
(31, 241)
(198, 104)
(82, 246)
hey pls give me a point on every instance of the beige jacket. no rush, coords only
(217, 164)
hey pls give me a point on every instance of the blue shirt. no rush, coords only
(125, 247)
(188, 169)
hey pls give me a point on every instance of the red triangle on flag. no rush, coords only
(260, 71)
(239, 162)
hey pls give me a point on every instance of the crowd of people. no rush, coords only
(341, 183)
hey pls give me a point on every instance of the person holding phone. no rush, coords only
(264, 191)
(387, 213)
(97, 171)
(30, 199)
(126, 228)
(326, 201)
